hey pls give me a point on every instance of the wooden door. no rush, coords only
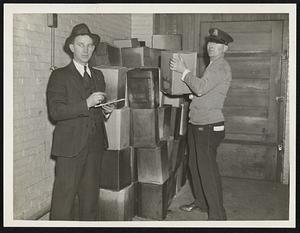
(251, 108)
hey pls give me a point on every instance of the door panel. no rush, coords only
(245, 99)
(250, 41)
(252, 67)
(243, 111)
(257, 162)
(250, 84)
(240, 124)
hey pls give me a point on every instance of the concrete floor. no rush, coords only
(243, 200)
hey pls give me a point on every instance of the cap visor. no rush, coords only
(214, 39)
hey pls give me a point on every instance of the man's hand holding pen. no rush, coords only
(95, 98)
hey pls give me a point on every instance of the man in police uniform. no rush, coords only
(206, 124)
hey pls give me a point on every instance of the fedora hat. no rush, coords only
(80, 30)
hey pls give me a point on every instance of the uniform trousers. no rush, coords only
(206, 183)
(77, 175)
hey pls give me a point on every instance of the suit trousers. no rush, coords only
(77, 175)
(206, 181)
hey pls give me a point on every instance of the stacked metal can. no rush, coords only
(145, 164)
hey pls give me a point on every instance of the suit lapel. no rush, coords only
(76, 79)
(95, 80)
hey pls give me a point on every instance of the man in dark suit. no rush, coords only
(79, 138)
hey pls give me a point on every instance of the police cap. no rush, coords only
(218, 36)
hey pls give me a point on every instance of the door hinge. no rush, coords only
(279, 99)
(280, 147)
(285, 55)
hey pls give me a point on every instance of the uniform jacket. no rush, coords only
(67, 107)
(209, 92)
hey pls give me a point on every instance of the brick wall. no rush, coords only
(142, 27)
(33, 169)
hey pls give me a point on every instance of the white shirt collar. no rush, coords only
(80, 68)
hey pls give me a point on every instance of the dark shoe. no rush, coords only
(191, 207)
(217, 218)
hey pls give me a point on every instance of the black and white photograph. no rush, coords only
(149, 115)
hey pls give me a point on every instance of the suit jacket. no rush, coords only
(66, 99)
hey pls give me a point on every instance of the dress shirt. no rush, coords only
(80, 68)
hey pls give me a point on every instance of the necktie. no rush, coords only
(86, 78)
